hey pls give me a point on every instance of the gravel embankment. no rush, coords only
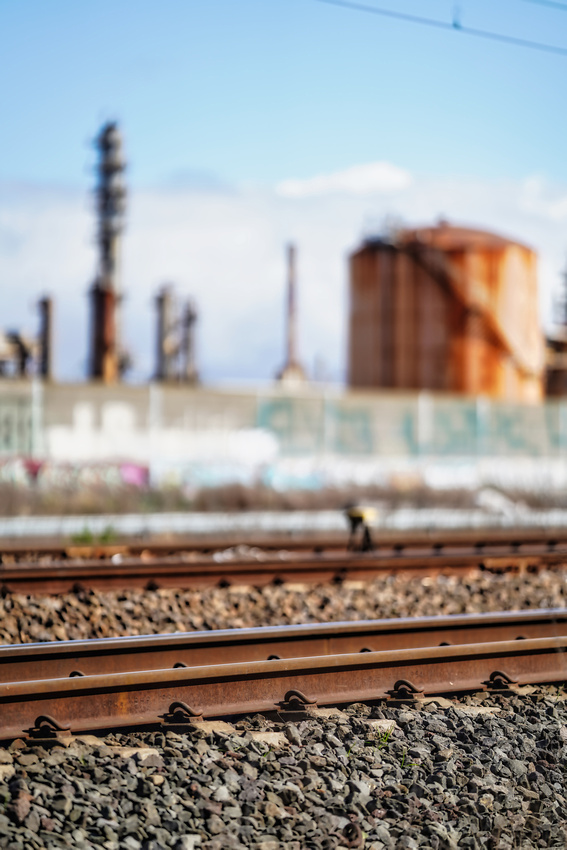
(71, 616)
(484, 771)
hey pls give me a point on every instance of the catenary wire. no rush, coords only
(551, 4)
(432, 22)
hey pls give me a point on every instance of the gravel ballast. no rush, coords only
(91, 614)
(484, 771)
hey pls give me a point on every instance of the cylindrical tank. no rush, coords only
(446, 308)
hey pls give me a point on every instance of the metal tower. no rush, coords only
(107, 360)
(189, 372)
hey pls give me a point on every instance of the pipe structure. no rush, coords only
(45, 366)
(167, 348)
(291, 308)
(106, 358)
(189, 372)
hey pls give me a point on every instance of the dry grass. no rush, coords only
(25, 501)
(17, 500)
(20, 501)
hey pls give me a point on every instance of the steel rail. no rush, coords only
(207, 572)
(144, 698)
(385, 540)
(25, 662)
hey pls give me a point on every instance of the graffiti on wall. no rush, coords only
(47, 475)
(304, 427)
(282, 440)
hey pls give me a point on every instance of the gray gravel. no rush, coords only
(484, 771)
(72, 616)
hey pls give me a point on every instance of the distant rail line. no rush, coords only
(57, 568)
(385, 541)
(168, 681)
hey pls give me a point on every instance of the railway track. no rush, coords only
(385, 541)
(50, 690)
(193, 649)
(189, 569)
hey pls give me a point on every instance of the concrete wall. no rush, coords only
(308, 438)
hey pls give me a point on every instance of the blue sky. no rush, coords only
(222, 103)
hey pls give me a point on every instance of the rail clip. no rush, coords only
(498, 681)
(295, 706)
(180, 715)
(404, 693)
(48, 731)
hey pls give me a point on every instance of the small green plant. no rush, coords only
(410, 763)
(108, 535)
(83, 538)
(385, 737)
(382, 740)
(87, 538)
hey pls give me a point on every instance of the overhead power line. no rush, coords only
(549, 3)
(443, 25)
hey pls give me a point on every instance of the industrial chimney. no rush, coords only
(292, 371)
(167, 347)
(106, 357)
(45, 366)
(176, 358)
(189, 372)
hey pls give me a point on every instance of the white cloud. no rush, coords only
(543, 200)
(227, 251)
(369, 179)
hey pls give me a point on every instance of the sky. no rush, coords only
(250, 124)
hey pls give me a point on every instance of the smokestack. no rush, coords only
(189, 365)
(167, 348)
(291, 309)
(292, 370)
(46, 338)
(106, 357)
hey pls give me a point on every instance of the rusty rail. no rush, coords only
(175, 697)
(294, 567)
(386, 541)
(60, 659)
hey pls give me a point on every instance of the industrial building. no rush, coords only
(444, 309)
(447, 366)
(449, 309)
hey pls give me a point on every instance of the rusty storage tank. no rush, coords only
(446, 308)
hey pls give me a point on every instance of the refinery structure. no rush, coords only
(448, 368)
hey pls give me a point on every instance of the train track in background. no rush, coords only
(177, 565)
(136, 682)
(386, 542)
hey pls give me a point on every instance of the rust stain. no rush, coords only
(105, 350)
